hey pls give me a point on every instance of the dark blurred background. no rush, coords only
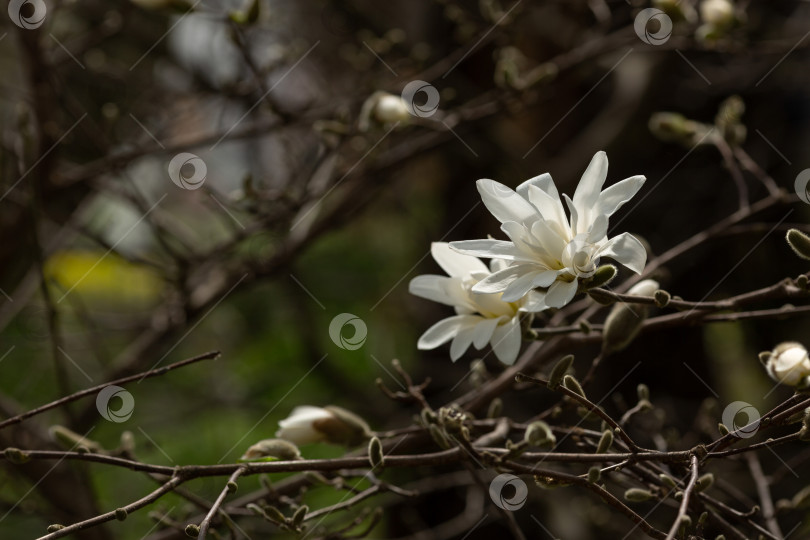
(108, 268)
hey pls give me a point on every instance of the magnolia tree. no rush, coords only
(187, 182)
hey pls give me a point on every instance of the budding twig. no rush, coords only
(206, 522)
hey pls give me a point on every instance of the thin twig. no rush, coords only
(687, 492)
(205, 524)
(109, 516)
(95, 389)
(764, 495)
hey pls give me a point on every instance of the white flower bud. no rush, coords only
(646, 287)
(390, 108)
(308, 424)
(789, 364)
(717, 12)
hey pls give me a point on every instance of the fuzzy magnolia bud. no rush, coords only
(662, 298)
(602, 276)
(70, 439)
(16, 456)
(625, 320)
(668, 480)
(307, 424)
(573, 385)
(637, 495)
(643, 392)
(538, 433)
(594, 473)
(789, 364)
(438, 436)
(704, 482)
(383, 108)
(390, 108)
(272, 450)
(799, 242)
(559, 371)
(375, 453)
(605, 442)
(55, 527)
(495, 408)
(804, 432)
(298, 516)
(192, 530)
(675, 127)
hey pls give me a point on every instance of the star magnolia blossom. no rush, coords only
(480, 318)
(547, 249)
(789, 364)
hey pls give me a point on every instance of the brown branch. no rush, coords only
(95, 389)
(109, 516)
(588, 404)
(205, 524)
(764, 495)
(687, 493)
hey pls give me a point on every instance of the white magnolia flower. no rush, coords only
(789, 364)
(547, 249)
(307, 424)
(480, 318)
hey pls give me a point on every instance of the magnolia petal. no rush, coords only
(525, 283)
(441, 289)
(495, 265)
(590, 185)
(506, 341)
(574, 214)
(495, 249)
(304, 414)
(552, 243)
(505, 204)
(598, 230)
(454, 263)
(560, 293)
(619, 193)
(462, 341)
(542, 181)
(550, 208)
(498, 281)
(444, 330)
(525, 242)
(533, 302)
(519, 287)
(627, 250)
(484, 330)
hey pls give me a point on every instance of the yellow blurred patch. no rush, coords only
(109, 279)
